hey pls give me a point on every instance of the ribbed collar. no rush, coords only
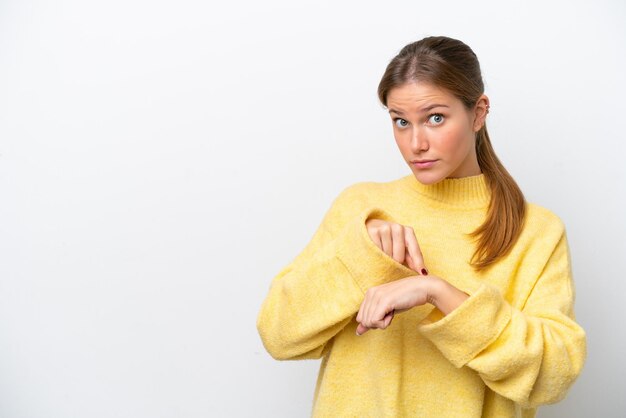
(467, 192)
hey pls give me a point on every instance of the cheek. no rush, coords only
(453, 141)
(448, 138)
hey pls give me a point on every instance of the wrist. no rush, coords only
(435, 289)
(445, 296)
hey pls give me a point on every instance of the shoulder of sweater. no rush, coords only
(365, 187)
(364, 190)
(356, 197)
(543, 219)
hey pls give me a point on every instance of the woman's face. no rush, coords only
(436, 134)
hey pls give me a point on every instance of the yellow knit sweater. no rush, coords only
(511, 346)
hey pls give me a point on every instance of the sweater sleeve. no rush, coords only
(530, 355)
(320, 291)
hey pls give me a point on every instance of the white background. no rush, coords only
(160, 162)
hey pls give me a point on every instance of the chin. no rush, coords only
(427, 178)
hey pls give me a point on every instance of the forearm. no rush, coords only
(306, 306)
(314, 297)
(530, 354)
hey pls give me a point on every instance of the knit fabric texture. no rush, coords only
(513, 345)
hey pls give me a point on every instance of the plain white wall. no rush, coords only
(161, 161)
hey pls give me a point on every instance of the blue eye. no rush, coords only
(401, 123)
(436, 119)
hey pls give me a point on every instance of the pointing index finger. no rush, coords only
(414, 250)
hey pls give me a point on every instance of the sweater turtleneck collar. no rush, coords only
(467, 192)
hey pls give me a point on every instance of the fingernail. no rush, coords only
(424, 272)
(357, 333)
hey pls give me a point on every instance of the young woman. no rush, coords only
(439, 294)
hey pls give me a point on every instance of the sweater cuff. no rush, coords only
(471, 327)
(368, 264)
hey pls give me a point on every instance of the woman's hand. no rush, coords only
(398, 242)
(382, 302)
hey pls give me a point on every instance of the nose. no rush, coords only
(419, 142)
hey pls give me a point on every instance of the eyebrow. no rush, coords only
(422, 110)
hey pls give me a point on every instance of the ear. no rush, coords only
(480, 112)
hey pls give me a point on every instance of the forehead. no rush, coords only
(416, 95)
